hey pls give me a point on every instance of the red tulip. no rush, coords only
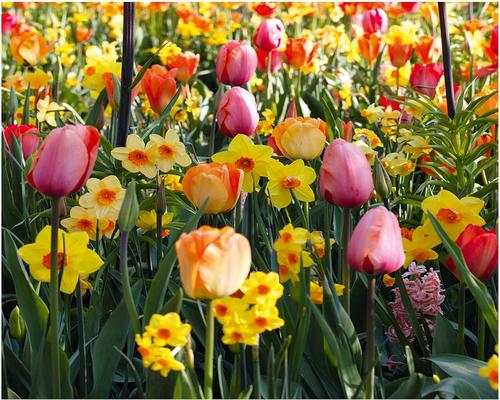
(237, 113)
(160, 87)
(269, 34)
(276, 60)
(28, 134)
(409, 6)
(400, 53)
(265, 9)
(375, 21)
(480, 250)
(425, 78)
(236, 63)
(65, 160)
(109, 85)
(428, 49)
(376, 246)
(186, 65)
(345, 177)
(492, 48)
(8, 22)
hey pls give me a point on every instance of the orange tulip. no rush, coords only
(29, 48)
(83, 34)
(213, 262)
(109, 85)
(369, 46)
(300, 52)
(186, 64)
(160, 87)
(400, 53)
(218, 183)
(428, 49)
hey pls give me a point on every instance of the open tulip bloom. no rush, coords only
(250, 200)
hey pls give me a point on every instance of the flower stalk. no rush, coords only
(209, 352)
(370, 332)
(346, 274)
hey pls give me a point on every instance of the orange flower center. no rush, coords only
(90, 71)
(84, 225)
(448, 215)
(245, 163)
(138, 157)
(165, 151)
(406, 233)
(105, 197)
(260, 322)
(421, 255)
(221, 310)
(320, 251)
(143, 351)
(164, 333)
(283, 269)
(164, 363)
(236, 336)
(494, 376)
(286, 237)
(263, 289)
(293, 258)
(290, 182)
(46, 260)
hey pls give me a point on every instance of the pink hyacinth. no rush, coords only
(426, 294)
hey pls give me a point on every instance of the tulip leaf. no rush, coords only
(457, 387)
(93, 116)
(26, 107)
(477, 288)
(408, 388)
(146, 65)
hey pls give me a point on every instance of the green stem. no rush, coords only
(158, 240)
(81, 342)
(346, 274)
(461, 318)
(326, 235)
(54, 299)
(213, 129)
(269, 88)
(256, 372)
(127, 291)
(209, 352)
(480, 335)
(370, 332)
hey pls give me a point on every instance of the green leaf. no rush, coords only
(457, 387)
(26, 107)
(445, 337)
(146, 66)
(102, 101)
(409, 388)
(477, 288)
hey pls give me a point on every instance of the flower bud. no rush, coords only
(161, 201)
(237, 113)
(382, 180)
(269, 34)
(17, 326)
(236, 63)
(129, 211)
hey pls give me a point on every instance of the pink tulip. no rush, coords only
(237, 113)
(28, 134)
(65, 160)
(345, 177)
(375, 21)
(269, 34)
(276, 60)
(376, 246)
(425, 78)
(8, 22)
(236, 63)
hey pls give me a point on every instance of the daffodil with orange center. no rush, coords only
(264, 318)
(83, 220)
(172, 182)
(318, 243)
(285, 178)
(105, 196)
(239, 331)
(262, 288)
(163, 361)
(225, 308)
(137, 157)
(419, 248)
(169, 151)
(168, 330)
(291, 238)
(251, 158)
(316, 292)
(72, 255)
(452, 213)
(490, 371)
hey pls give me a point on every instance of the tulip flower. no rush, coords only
(401, 43)
(409, 6)
(425, 78)
(269, 35)
(29, 48)
(301, 137)
(28, 134)
(217, 183)
(375, 21)
(83, 34)
(65, 160)
(109, 85)
(160, 87)
(236, 63)
(8, 22)
(186, 65)
(345, 177)
(300, 52)
(237, 113)
(213, 262)
(428, 49)
(369, 46)
(376, 246)
(480, 250)
(265, 9)
(276, 60)
(491, 49)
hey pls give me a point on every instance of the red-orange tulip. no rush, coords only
(186, 64)
(428, 49)
(369, 46)
(160, 87)
(300, 52)
(400, 53)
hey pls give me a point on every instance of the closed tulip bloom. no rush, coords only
(83, 34)
(29, 48)
(276, 60)
(160, 87)
(300, 52)
(425, 78)
(186, 64)
(109, 85)
(237, 113)
(269, 35)
(29, 135)
(400, 53)
(369, 46)
(376, 246)
(65, 160)
(480, 250)
(428, 49)
(301, 137)
(236, 63)
(375, 21)
(265, 9)
(345, 177)
(218, 183)
(213, 262)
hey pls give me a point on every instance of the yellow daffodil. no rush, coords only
(388, 280)
(368, 136)
(490, 371)
(168, 330)
(136, 156)
(239, 331)
(419, 248)
(397, 34)
(373, 113)
(83, 220)
(147, 221)
(293, 258)
(453, 214)
(163, 361)
(167, 52)
(47, 111)
(264, 318)
(418, 146)
(318, 243)
(105, 196)
(37, 78)
(316, 292)
(262, 288)
(266, 126)
(291, 238)
(72, 251)
(251, 158)
(285, 178)
(170, 151)
(397, 164)
(172, 182)
(226, 308)
(289, 272)
(392, 78)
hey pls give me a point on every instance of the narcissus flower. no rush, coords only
(163, 361)
(262, 288)
(291, 238)
(419, 248)
(217, 183)
(226, 307)
(136, 156)
(147, 221)
(251, 158)
(264, 318)
(317, 292)
(169, 151)
(239, 331)
(452, 213)
(490, 371)
(168, 330)
(72, 251)
(105, 197)
(285, 178)
(83, 220)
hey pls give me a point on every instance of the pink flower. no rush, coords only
(269, 34)
(8, 22)
(276, 60)
(425, 78)
(375, 21)
(236, 63)
(376, 246)
(237, 113)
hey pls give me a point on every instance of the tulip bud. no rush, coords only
(188, 351)
(383, 183)
(236, 63)
(129, 211)
(292, 109)
(376, 246)
(161, 201)
(17, 326)
(269, 34)
(160, 87)
(425, 78)
(375, 21)
(237, 113)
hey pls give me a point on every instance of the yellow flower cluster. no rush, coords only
(490, 371)
(98, 62)
(162, 331)
(244, 318)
